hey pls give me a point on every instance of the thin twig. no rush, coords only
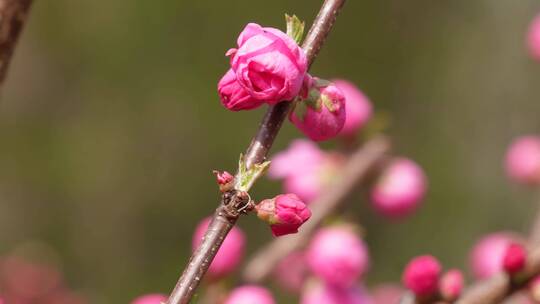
(227, 213)
(13, 14)
(356, 170)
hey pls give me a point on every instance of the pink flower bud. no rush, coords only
(387, 294)
(338, 255)
(233, 96)
(514, 258)
(451, 284)
(150, 299)
(225, 180)
(250, 294)
(321, 293)
(357, 105)
(291, 272)
(301, 156)
(399, 190)
(268, 64)
(322, 115)
(421, 275)
(533, 38)
(285, 213)
(229, 255)
(305, 168)
(523, 160)
(487, 256)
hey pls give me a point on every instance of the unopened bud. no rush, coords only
(225, 180)
(514, 258)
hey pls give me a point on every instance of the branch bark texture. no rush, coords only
(232, 202)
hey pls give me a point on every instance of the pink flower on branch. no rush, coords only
(400, 189)
(267, 67)
(229, 255)
(285, 213)
(321, 115)
(338, 256)
(421, 275)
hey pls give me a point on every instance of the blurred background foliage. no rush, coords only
(110, 126)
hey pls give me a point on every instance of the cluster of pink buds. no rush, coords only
(269, 67)
(423, 276)
(486, 258)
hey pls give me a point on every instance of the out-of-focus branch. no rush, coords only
(13, 14)
(534, 235)
(233, 202)
(356, 170)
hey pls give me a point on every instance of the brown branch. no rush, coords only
(355, 171)
(228, 212)
(13, 14)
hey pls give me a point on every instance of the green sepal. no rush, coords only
(328, 103)
(295, 28)
(247, 177)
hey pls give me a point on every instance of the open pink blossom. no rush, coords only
(357, 106)
(523, 160)
(229, 255)
(400, 189)
(421, 275)
(250, 294)
(338, 255)
(233, 96)
(514, 258)
(291, 272)
(487, 256)
(451, 284)
(322, 293)
(387, 294)
(285, 213)
(533, 38)
(155, 298)
(321, 116)
(268, 64)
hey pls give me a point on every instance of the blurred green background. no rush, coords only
(110, 126)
